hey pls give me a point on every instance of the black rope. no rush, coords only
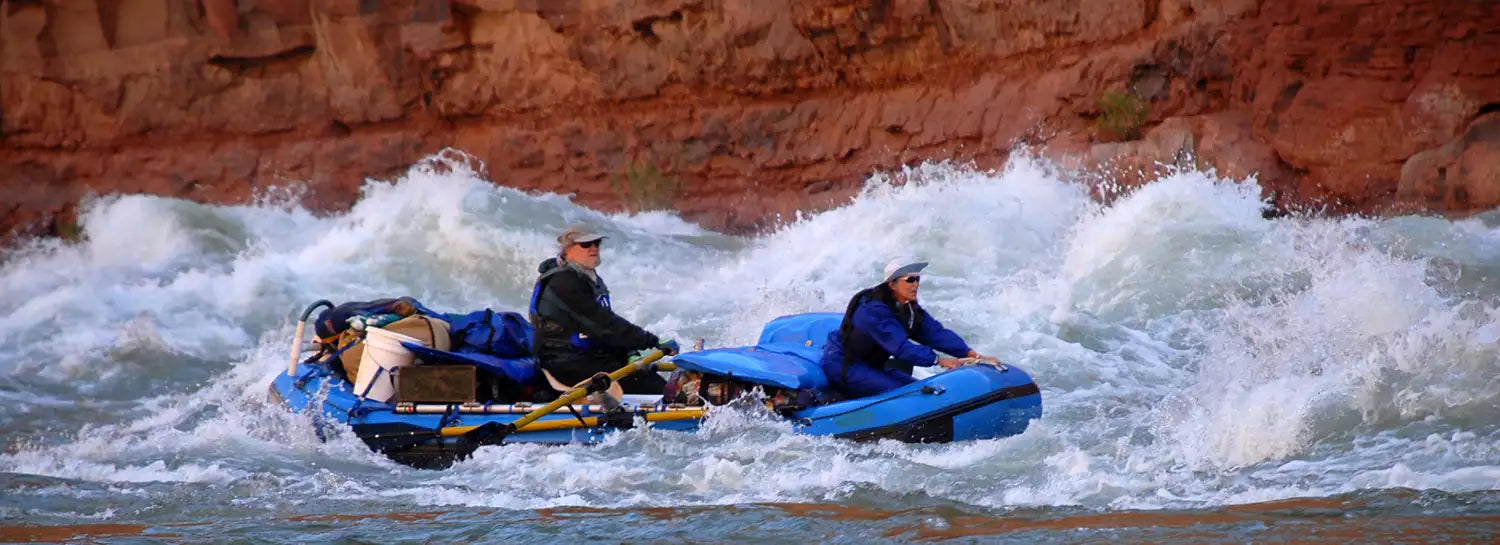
(576, 415)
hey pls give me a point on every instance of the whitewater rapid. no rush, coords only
(1190, 352)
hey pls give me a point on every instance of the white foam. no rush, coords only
(1190, 352)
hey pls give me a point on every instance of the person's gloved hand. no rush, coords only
(668, 347)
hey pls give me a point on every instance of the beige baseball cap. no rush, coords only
(578, 233)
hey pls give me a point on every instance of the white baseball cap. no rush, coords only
(903, 266)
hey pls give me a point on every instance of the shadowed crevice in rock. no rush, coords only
(1283, 101)
(264, 66)
(1484, 130)
(643, 26)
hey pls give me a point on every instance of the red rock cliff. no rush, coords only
(749, 108)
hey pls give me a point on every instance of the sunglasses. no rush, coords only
(591, 243)
(912, 279)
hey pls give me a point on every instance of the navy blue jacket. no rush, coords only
(877, 319)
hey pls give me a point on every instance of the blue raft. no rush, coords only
(969, 403)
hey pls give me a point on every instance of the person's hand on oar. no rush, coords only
(972, 358)
(975, 357)
(952, 363)
(980, 358)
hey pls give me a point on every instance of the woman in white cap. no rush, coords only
(885, 333)
(577, 333)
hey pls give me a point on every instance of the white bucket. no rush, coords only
(383, 354)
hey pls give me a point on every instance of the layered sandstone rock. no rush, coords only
(750, 108)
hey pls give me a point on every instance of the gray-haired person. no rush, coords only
(577, 333)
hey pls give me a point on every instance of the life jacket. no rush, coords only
(860, 345)
(556, 329)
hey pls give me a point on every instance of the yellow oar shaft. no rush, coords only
(588, 422)
(577, 393)
(560, 424)
(676, 415)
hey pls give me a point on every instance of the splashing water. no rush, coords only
(1192, 354)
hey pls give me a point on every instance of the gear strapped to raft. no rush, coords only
(503, 334)
(693, 389)
(496, 344)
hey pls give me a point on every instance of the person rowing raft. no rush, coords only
(885, 333)
(577, 333)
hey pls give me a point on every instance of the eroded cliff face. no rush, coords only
(756, 108)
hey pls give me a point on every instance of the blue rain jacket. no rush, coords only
(880, 333)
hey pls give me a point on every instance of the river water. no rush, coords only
(1209, 375)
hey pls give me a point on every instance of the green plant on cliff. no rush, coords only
(69, 231)
(1120, 115)
(65, 226)
(643, 186)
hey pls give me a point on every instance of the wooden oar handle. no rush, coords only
(291, 368)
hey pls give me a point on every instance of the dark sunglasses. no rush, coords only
(591, 243)
(912, 279)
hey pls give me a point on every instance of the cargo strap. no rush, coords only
(316, 373)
